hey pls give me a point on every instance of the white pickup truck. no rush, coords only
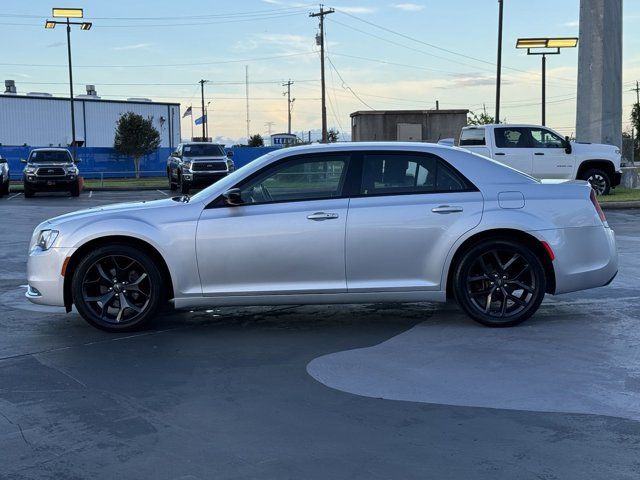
(545, 154)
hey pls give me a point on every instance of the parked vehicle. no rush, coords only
(196, 165)
(343, 223)
(4, 176)
(50, 170)
(545, 154)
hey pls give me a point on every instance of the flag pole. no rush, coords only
(191, 107)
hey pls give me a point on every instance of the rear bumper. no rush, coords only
(586, 257)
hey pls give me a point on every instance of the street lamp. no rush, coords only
(544, 47)
(69, 13)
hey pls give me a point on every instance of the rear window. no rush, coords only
(472, 136)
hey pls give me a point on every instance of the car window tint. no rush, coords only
(512, 137)
(397, 173)
(545, 139)
(53, 156)
(300, 179)
(449, 181)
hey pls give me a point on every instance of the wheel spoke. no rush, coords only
(517, 300)
(101, 298)
(487, 307)
(477, 278)
(103, 274)
(484, 266)
(497, 257)
(521, 285)
(522, 272)
(503, 309)
(135, 286)
(511, 261)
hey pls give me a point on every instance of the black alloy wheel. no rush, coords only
(499, 283)
(117, 288)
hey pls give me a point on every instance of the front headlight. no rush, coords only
(186, 166)
(30, 170)
(72, 170)
(46, 239)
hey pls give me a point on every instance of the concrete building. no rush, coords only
(599, 108)
(42, 120)
(407, 125)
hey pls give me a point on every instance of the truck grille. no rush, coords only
(50, 172)
(209, 167)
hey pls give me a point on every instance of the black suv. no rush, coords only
(196, 165)
(50, 170)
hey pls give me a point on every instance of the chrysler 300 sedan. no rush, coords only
(344, 223)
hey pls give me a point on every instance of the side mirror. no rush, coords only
(77, 160)
(3, 160)
(567, 145)
(229, 153)
(233, 197)
(23, 160)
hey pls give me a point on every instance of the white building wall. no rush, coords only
(37, 121)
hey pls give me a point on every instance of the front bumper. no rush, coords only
(586, 257)
(50, 183)
(44, 275)
(202, 179)
(617, 179)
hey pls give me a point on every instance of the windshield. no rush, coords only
(203, 150)
(50, 156)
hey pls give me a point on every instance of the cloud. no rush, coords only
(408, 7)
(355, 10)
(135, 46)
(474, 79)
(571, 24)
(56, 44)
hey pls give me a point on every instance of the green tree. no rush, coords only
(135, 137)
(482, 118)
(256, 140)
(635, 124)
(333, 135)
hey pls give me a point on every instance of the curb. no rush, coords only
(620, 205)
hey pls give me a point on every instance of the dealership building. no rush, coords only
(40, 119)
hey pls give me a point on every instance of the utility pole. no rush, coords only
(204, 111)
(633, 141)
(499, 62)
(246, 91)
(289, 102)
(320, 41)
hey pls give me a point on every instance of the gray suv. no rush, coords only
(50, 170)
(197, 165)
(4, 176)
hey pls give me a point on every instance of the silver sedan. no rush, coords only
(344, 223)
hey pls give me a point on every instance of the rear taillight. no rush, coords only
(596, 204)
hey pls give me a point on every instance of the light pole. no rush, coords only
(69, 13)
(499, 62)
(544, 47)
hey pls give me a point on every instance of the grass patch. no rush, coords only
(621, 194)
(132, 183)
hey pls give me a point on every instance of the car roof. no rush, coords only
(505, 125)
(51, 149)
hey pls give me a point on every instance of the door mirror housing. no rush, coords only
(567, 145)
(77, 160)
(3, 160)
(233, 197)
(23, 160)
(229, 153)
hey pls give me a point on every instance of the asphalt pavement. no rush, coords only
(318, 392)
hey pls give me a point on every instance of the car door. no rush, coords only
(400, 228)
(513, 148)
(287, 235)
(550, 159)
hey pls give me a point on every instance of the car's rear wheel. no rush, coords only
(599, 180)
(117, 288)
(499, 283)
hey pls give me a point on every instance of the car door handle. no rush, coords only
(320, 216)
(499, 153)
(538, 153)
(444, 209)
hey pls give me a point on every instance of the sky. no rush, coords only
(380, 55)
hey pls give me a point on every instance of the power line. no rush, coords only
(347, 87)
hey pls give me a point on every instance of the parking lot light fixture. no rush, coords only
(544, 47)
(68, 14)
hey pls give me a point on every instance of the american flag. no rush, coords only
(187, 113)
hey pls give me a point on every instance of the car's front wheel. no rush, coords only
(184, 186)
(75, 189)
(117, 288)
(499, 283)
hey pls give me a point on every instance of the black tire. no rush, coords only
(28, 193)
(4, 189)
(499, 270)
(184, 186)
(599, 180)
(93, 287)
(75, 189)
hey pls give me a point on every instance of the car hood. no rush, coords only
(594, 148)
(132, 208)
(205, 159)
(50, 164)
